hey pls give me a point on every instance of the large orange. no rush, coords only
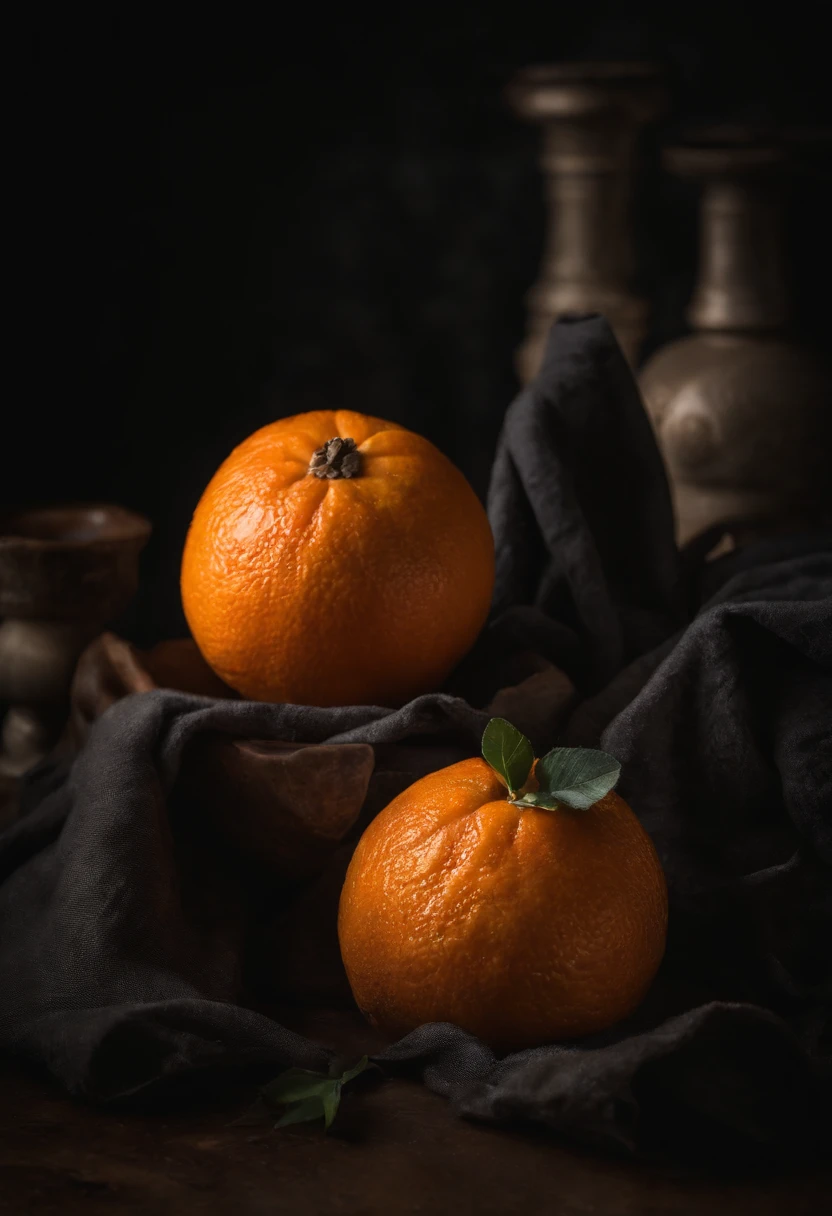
(522, 925)
(337, 573)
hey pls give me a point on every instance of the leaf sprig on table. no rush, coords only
(300, 1096)
(575, 777)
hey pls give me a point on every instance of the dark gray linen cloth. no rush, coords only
(121, 960)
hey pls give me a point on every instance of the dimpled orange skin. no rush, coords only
(523, 926)
(359, 591)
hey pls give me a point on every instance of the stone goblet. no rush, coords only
(65, 571)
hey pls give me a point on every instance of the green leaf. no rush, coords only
(303, 1112)
(546, 801)
(309, 1095)
(362, 1065)
(508, 752)
(577, 776)
(330, 1101)
(294, 1085)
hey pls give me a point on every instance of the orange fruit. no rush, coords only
(522, 925)
(336, 559)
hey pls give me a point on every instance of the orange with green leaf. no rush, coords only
(518, 898)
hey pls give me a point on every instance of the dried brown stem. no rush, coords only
(337, 458)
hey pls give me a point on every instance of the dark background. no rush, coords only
(220, 220)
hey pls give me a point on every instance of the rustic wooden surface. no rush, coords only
(395, 1148)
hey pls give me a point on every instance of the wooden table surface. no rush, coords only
(395, 1148)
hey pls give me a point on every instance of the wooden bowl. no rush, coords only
(286, 806)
